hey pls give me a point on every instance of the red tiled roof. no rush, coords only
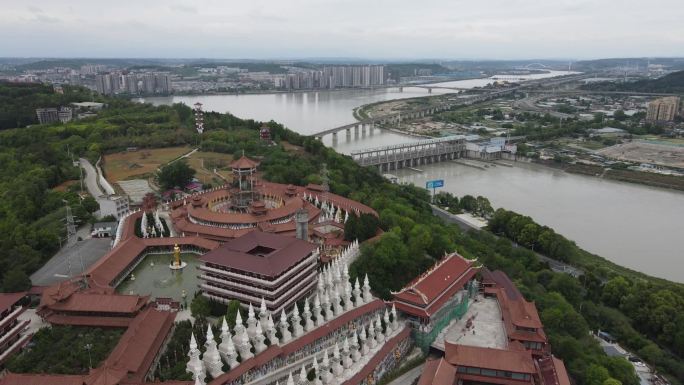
(552, 371)
(9, 299)
(262, 253)
(109, 322)
(139, 345)
(519, 361)
(425, 289)
(437, 372)
(426, 294)
(522, 313)
(243, 163)
(41, 379)
(101, 303)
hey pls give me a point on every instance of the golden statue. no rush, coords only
(177, 264)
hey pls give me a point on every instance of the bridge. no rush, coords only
(412, 154)
(419, 113)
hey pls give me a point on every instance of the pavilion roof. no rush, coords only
(519, 361)
(244, 163)
(429, 291)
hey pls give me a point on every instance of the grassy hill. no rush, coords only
(672, 83)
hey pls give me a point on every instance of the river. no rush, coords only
(632, 225)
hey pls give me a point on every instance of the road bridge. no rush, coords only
(412, 154)
(427, 111)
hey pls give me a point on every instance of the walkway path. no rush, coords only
(409, 377)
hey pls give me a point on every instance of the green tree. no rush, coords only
(596, 375)
(16, 280)
(615, 290)
(199, 307)
(176, 174)
(231, 313)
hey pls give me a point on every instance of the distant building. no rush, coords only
(116, 205)
(53, 115)
(13, 334)
(663, 109)
(104, 229)
(276, 268)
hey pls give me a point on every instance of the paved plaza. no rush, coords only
(486, 329)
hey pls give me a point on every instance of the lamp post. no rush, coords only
(88, 347)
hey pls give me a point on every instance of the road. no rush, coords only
(556, 266)
(72, 259)
(91, 178)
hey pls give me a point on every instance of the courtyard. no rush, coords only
(154, 277)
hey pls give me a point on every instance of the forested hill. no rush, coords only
(18, 101)
(672, 83)
(644, 314)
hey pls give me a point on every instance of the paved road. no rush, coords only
(91, 178)
(72, 259)
(555, 265)
(409, 377)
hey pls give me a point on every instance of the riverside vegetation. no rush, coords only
(645, 313)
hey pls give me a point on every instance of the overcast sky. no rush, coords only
(382, 29)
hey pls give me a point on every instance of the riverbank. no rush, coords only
(629, 176)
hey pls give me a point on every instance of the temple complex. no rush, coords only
(249, 204)
(280, 251)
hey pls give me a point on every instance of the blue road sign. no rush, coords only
(433, 184)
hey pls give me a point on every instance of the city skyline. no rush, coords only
(379, 30)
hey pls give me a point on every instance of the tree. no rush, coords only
(612, 381)
(231, 313)
(176, 174)
(16, 280)
(199, 307)
(468, 203)
(615, 290)
(596, 375)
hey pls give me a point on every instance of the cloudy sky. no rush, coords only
(382, 29)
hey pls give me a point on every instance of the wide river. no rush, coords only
(635, 226)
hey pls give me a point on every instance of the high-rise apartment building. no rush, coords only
(663, 109)
(53, 115)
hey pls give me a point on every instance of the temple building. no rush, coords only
(13, 334)
(131, 362)
(436, 297)
(499, 340)
(249, 203)
(520, 317)
(83, 302)
(277, 268)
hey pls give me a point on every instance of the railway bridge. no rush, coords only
(412, 154)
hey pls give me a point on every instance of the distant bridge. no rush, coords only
(419, 113)
(412, 154)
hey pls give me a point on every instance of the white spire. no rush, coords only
(297, 322)
(290, 381)
(284, 326)
(259, 338)
(302, 375)
(212, 357)
(263, 311)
